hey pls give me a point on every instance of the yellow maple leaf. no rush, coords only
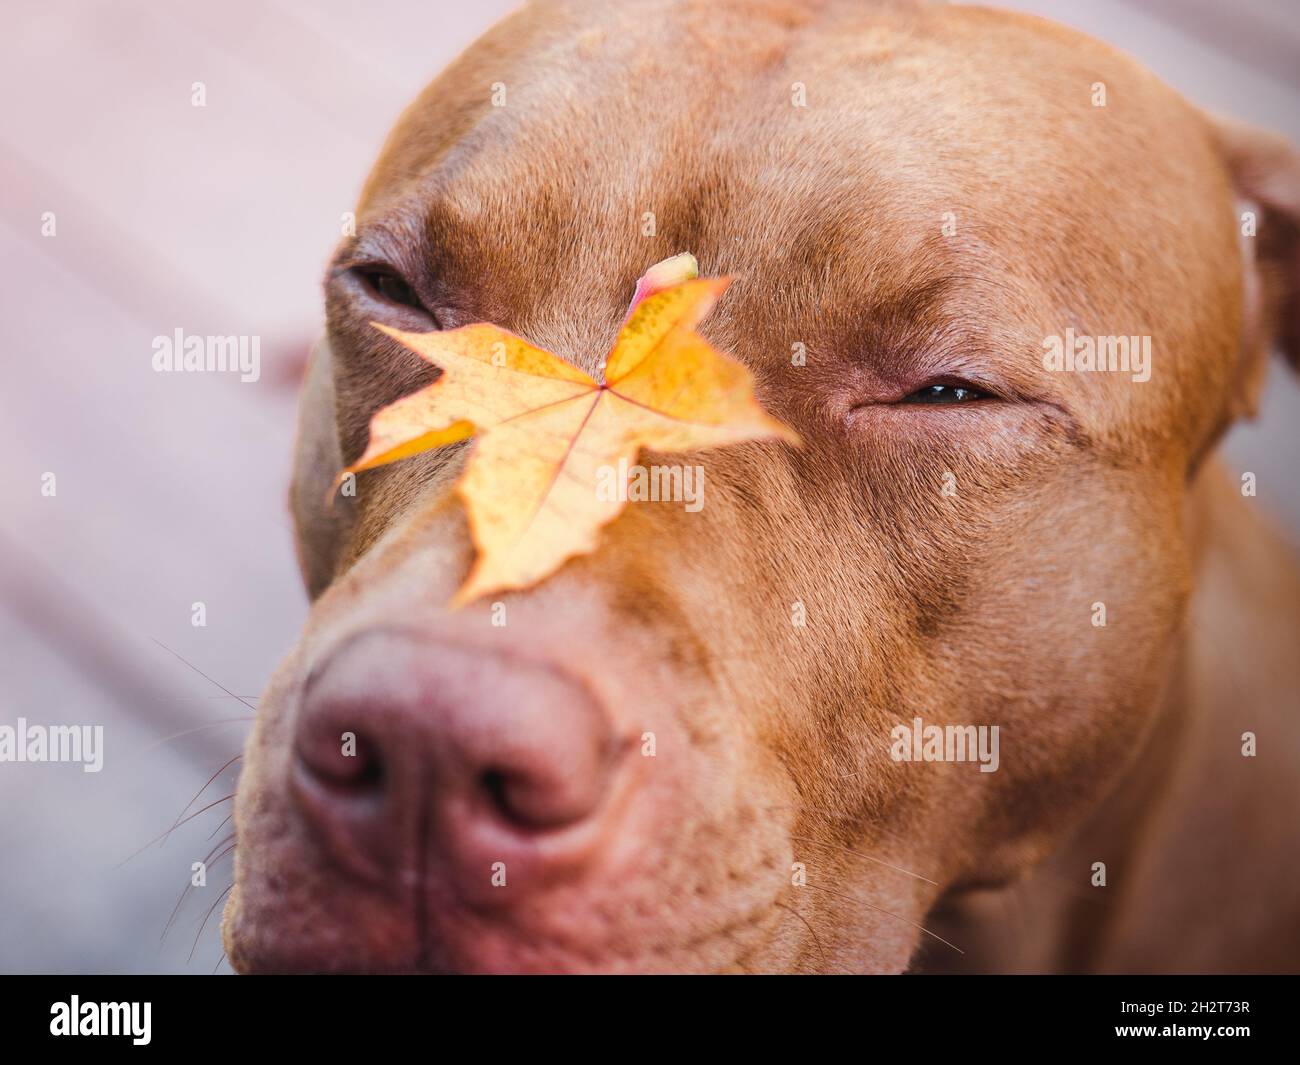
(545, 429)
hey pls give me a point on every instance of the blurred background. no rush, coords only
(170, 488)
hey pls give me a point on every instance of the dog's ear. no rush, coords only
(1265, 171)
(320, 527)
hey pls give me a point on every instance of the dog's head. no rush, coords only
(689, 749)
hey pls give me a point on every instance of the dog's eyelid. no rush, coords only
(960, 380)
(360, 258)
(374, 244)
(950, 393)
(989, 386)
(356, 250)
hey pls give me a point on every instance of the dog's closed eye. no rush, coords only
(389, 286)
(380, 292)
(947, 393)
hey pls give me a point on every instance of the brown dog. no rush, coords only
(682, 752)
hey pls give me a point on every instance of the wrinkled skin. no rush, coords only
(971, 605)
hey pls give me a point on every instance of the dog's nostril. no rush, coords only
(493, 784)
(352, 764)
(513, 797)
(399, 742)
(368, 773)
(533, 799)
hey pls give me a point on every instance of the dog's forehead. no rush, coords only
(613, 104)
(822, 148)
(717, 118)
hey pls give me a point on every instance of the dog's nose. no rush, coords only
(408, 748)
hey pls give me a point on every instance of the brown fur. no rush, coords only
(1119, 744)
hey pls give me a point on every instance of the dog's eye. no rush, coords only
(391, 288)
(946, 394)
